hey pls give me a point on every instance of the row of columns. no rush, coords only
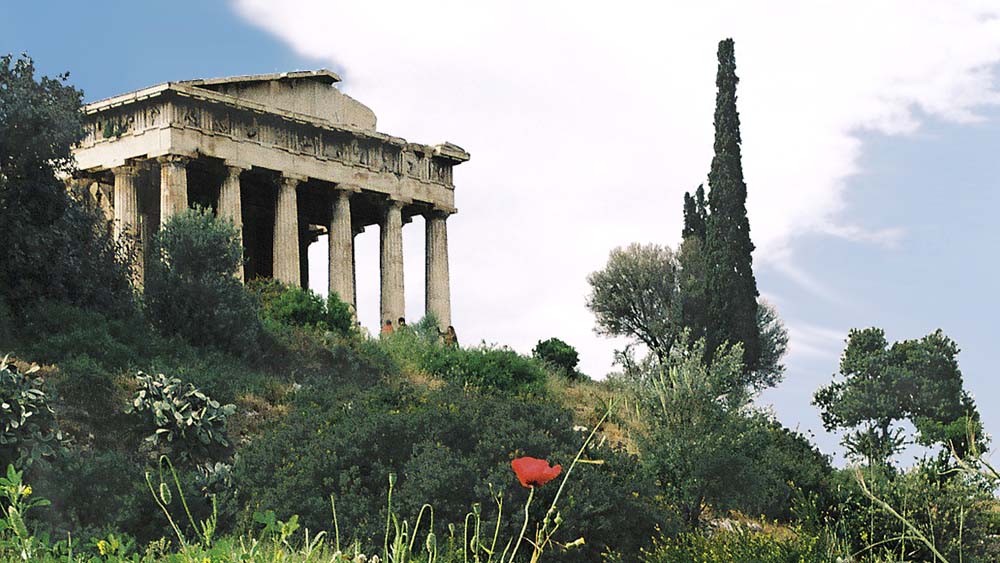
(286, 247)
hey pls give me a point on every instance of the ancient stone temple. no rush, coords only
(285, 157)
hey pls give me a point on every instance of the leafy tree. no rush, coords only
(695, 440)
(708, 446)
(559, 355)
(773, 346)
(881, 385)
(637, 295)
(730, 287)
(53, 246)
(191, 288)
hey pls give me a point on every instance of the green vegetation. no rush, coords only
(206, 421)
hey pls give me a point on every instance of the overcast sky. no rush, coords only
(871, 136)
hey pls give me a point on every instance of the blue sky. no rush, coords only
(880, 212)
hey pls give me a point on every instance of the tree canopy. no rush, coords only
(880, 385)
(637, 295)
(54, 246)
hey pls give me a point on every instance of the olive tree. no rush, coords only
(638, 295)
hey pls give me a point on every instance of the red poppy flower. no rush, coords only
(532, 472)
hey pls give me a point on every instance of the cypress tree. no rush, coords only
(695, 214)
(731, 308)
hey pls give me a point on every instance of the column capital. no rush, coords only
(439, 212)
(287, 176)
(348, 188)
(127, 169)
(236, 167)
(397, 201)
(174, 159)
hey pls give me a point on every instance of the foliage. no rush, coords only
(53, 246)
(15, 504)
(691, 260)
(183, 417)
(560, 356)
(637, 295)
(730, 287)
(448, 445)
(296, 306)
(695, 214)
(743, 545)
(191, 288)
(708, 448)
(881, 385)
(419, 349)
(915, 513)
(773, 346)
(28, 428)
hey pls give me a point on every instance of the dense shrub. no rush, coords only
(446, 447)
(191, 288)
(296, 306)
(560, 356)
(56, 332)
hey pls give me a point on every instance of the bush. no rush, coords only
(447, 447)
(184, 419)
(191, 288)
(296, 306)
(56, 332)
(560, 356)
(486, 367)
(28, 428)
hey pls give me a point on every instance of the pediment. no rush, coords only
(311, 93)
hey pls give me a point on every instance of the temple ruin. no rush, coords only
(286, 157)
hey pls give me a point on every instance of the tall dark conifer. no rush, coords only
(731, 290)
(695, 214)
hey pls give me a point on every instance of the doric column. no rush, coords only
(438, 288)
(126, 206)
(126, 227)
(391, 245)
(231, 206)
(286, 234)
(341, 256)
(173, 186)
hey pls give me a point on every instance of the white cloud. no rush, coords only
(587, 121)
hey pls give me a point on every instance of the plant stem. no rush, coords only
(524, 527)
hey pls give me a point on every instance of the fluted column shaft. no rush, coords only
(126, 227)
(391, 245)
(286, 234)
(438, 289)
(126, 206)
(341, 256)
(231, 207)
(173, 186)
